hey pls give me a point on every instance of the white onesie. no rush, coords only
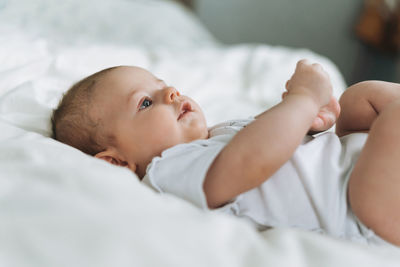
(308, 192)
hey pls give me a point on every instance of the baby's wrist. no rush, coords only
(304, 93)
(307, 103)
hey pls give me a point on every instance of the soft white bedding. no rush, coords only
(60, 207)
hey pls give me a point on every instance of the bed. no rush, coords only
(60, 207)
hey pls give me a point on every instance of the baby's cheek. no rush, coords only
(167, 131)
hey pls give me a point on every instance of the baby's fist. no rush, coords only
(310, 79)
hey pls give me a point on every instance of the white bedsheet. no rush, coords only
(60, 207)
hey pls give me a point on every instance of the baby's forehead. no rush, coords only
(122, 81)
(133, 70)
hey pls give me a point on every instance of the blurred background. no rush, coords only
(360, 36)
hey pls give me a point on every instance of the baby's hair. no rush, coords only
(72, 122)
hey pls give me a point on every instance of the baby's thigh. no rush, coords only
(374, 186)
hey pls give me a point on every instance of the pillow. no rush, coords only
(150, 23)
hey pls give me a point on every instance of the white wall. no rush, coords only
(324, 26)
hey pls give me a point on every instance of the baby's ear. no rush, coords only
(111, 157)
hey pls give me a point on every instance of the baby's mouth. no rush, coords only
(184, 109)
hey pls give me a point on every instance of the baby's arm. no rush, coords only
(362, 102)
(261, 148)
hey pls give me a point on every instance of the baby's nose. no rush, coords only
(170, 94)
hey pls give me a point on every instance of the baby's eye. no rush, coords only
(145, 103)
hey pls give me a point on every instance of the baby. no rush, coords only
(269, 170)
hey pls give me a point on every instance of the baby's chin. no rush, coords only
(202, 133)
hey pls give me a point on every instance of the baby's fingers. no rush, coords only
(302, 63)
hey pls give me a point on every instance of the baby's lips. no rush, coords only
(185, 107)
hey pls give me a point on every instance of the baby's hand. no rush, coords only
(312, 80)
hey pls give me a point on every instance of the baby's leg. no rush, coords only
(374, 186)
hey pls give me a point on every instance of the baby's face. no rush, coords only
(146, 117)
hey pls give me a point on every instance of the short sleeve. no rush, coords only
(181, 170)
